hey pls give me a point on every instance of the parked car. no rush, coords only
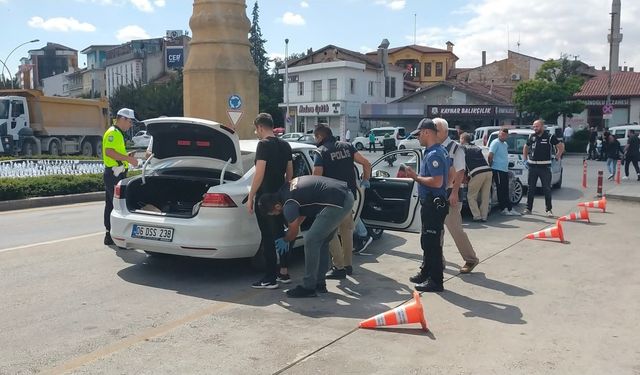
(141, 139)
(412, 139)
(191, 199)
(516, 141)
(309, 139)
(621, 132)
(291, 136)
(481, 135)
(397, 133)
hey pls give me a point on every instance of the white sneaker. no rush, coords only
(549, 213)
(504, 212)
(513, 213)
(526, 211)
(625, 177)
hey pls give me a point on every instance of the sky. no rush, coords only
(540, 28)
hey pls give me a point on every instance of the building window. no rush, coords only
(352, 86)
(333, 89)
(427, 69)
(317, 91)
(438, 69)
(390, 87)
(300, 88)
(371, 86)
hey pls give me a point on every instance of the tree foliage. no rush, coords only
(548, 96)
(5, 83)
(152, 100)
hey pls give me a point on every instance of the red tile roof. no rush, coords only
(622, 84)
(415, 47)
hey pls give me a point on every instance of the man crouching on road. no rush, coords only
(327, 199)
(432, 190)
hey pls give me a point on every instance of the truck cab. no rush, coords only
(14, 123)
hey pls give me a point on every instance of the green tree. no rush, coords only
(152, 100)
(549, 95)
(5, 83)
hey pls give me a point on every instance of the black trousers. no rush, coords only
(631, 160)
(501, 179)
(544, 173)
(431, 235)
(110, 181)
(271, 228)
(372, 145)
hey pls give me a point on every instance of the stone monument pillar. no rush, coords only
(220, 77)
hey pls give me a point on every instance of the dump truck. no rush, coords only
(32, 124)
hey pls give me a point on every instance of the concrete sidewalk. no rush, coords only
(628, 190)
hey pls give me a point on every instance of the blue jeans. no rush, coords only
(316, 242)
(360, 230)
(611, 166)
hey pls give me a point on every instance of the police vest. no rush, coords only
(451, 148)
(113, 138)
(540, 148)
(476, 163)
(337, 162)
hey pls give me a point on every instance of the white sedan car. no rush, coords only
(141, 139)
(191, 197)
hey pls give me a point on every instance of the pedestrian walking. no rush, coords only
(432, 184)
(568, 134)
(372, 141)
(613, 155)
(537, 154)
(329, 201)
(593, 138)
(116, 162)
(632, 154)
(273, 167)
(453, 221)
(499, 161)
(335, 159)
(479, 185)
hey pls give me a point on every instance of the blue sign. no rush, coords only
(235, 102)
(175, 57)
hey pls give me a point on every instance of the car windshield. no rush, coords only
(515, 142)
(4, 109)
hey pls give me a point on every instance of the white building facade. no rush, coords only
(332, 91)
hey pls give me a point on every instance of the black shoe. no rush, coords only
(363, 244)
(321, 288)
(418, 278)
(301, 292)
(349, 270)
(108, 240)
(336, 274)
(265, 283)
(285, 279)
(429, 286)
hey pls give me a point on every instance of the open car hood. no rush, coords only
(192, 142)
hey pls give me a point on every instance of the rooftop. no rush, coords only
(623, 84)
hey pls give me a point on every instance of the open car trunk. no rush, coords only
(177, 196)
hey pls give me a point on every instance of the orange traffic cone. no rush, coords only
(554, 232)
(406, 314)
(601, 204)
(582, 215)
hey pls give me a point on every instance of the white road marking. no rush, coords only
(50, 242)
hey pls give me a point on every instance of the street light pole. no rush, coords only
(286, 86)
(12, 51)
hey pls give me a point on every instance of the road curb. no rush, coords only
(57, 200)
(624, 198)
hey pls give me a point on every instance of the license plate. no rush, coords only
(152, 233)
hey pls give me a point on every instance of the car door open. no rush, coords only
(392, 200)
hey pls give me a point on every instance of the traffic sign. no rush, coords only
(607, 116)
(234, 116)
(235, 102)
(607, 109)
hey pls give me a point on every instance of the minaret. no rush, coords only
(220, 77)
(615, 37)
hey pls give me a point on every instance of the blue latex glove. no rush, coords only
(282, 247)
(365, 184)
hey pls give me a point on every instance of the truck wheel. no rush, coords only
(54, 148)
(98, 148)
(86, 149)
(28, 148)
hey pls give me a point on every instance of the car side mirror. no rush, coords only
(381, 174)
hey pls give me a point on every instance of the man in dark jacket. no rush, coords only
(613, 155)
(632, 154)
(480, 178)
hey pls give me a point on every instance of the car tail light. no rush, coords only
(217, 200)
(117, 191)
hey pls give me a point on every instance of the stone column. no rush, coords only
(220, 66)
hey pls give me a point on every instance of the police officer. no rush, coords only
(335, 160)
(116, 162)
(432, 190)
(537, 153)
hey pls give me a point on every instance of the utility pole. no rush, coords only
(287, 120)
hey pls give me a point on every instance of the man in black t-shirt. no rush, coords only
(330, 201)
(336, 160)
(273, 167)
(632, 154)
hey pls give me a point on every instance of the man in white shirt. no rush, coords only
(453, 221)
(568, 133)
(347, 136)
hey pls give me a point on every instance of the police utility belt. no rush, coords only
(434, 201)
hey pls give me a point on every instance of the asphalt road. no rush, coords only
(71, 305)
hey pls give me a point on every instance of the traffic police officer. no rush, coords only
(116, 162)
(537, 154)
(335, 160)
(432, 190)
